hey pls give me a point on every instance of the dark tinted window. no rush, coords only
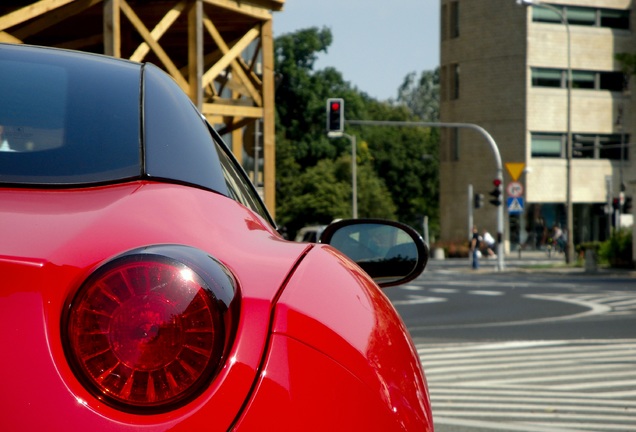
(179, 146)
(67, 118)
(239, 186)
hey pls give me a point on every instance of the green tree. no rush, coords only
(397, 175)
(421, 95)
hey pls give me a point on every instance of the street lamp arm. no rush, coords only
(493, 146)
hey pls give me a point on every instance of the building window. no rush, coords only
(585, 16)
(443, 23)
(581, 16)
(542, 77)
(454, 20)
(443, 80)
(454, 81)
(584, 80)
(547, 145)
(584, 146)
(610, 147)
(581, 79)
(612, 18)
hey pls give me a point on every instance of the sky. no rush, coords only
(376, 43)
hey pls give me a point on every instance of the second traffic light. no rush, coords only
(335, 116)
(496, 193)
(478, 200)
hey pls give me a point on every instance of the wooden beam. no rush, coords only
(112, 28)
(269, 118)
(6, 37)
(29, 12)
(237, 67)
(242, 8)
(53, 17)
(160, 29)
(234, 52)
(195, 52)
(232, 110)
(156, 48)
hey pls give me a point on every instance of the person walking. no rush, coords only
(489, 241)
(475, 242)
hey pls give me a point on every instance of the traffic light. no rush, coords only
(335, 116)
(478, 200)
(627, 207)
(496, 193)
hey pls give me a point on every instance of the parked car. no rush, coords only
(144, 283)
(310, 234)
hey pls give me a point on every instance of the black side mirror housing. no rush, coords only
(392, 253)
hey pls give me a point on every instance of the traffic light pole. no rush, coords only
(494, 148)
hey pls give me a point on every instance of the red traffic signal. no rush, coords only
(335, 115)
(496, 193)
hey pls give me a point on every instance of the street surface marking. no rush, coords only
(530, 386)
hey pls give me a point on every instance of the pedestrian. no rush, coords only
(489, 243)
(475, 242)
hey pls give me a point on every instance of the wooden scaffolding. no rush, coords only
(220, 52)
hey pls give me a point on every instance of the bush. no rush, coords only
(617, 250)
(453, 249)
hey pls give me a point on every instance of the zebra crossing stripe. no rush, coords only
(528, 386)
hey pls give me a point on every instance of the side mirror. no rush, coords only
(391, 253)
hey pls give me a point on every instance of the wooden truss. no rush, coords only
(220, 52)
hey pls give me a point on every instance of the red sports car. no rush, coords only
(145, 286)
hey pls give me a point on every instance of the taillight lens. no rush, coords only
(148, 330)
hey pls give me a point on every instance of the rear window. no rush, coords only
(65, 120)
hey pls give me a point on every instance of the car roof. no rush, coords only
(71, 119)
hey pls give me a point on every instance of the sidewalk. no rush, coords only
(526, 261)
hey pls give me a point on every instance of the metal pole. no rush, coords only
(470, 211)
(493, 147)
(354, 175)
(354, 172)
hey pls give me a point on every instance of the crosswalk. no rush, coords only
(531, 386)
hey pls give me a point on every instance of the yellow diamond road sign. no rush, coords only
(515, 169)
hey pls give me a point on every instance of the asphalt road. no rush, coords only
(526, 349)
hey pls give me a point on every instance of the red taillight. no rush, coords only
(147, 331)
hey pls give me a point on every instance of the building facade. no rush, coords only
(504, 66)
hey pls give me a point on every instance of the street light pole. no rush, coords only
(569, 249)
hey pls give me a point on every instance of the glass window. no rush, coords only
(239, 187)
(587, 16)
(547, 145)
(542, 77)
(455, 81)
(613, 81)
(67, 118)
(583, 80)
(614, 18)
(454, 20)
(583, 146)
(610, 147)
(543, 14)
(581, 16)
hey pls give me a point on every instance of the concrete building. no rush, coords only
(504, 67)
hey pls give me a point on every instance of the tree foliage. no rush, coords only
(397, 173)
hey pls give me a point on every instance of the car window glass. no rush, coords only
(58, 124)
(239, 187)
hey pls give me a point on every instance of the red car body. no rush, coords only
(309, 342)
